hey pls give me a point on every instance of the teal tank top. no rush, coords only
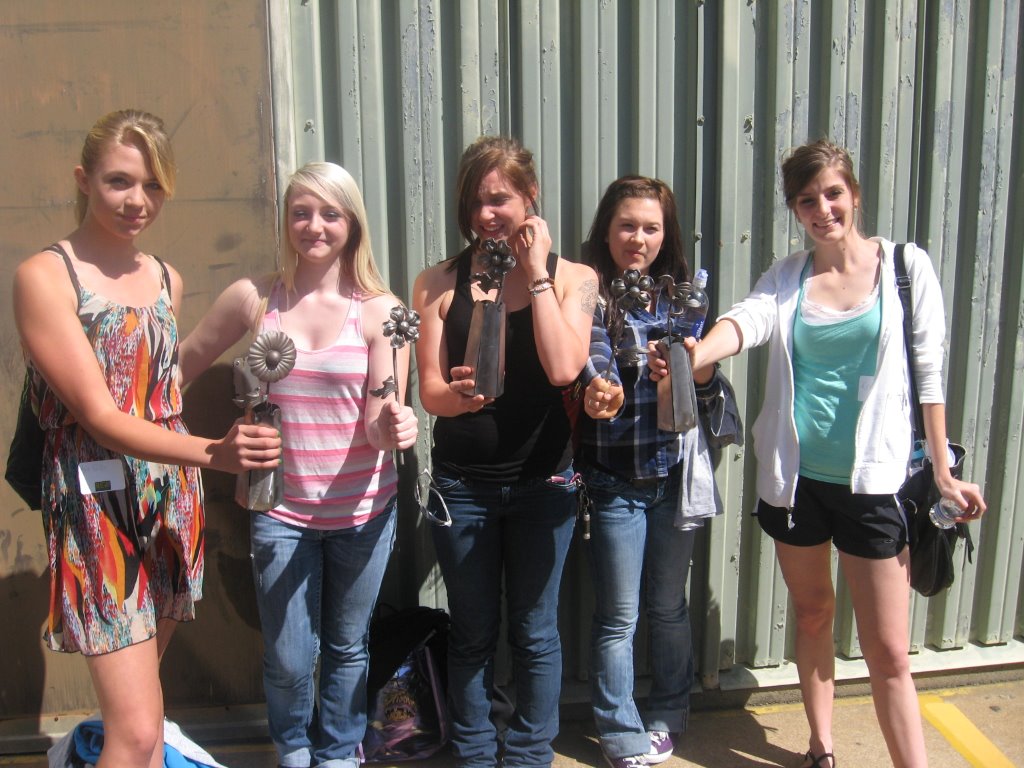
(834, 365)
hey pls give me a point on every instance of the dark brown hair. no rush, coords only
(480, 158)
(671, 259)
(806, 162)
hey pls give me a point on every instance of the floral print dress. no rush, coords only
(120, 561)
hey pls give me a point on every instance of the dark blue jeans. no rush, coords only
(521, 532)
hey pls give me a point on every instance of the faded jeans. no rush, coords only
(635, 547)
(316, 591)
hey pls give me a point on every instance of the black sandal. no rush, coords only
(817, 761)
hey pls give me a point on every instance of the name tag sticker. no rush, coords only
(100, 476)
(864, 386)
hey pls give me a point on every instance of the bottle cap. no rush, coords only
(701, 279)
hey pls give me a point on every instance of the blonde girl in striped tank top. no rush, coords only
(319, 557)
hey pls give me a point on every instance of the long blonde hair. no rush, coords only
(123, 127)
(334, 184)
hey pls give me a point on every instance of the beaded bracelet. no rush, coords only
(541, 284)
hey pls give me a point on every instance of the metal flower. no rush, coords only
(271, 356)
(632, 291)
(403, 326)
(677, 294)
(496, 261)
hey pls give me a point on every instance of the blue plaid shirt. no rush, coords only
(630, 444)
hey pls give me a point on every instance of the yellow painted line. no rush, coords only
(845, 701)
(965, 737)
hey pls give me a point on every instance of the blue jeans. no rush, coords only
(633, 545)
(523, 532)
(316, 591)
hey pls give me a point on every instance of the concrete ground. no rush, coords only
(972, 725)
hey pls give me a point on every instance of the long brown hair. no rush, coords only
(804, 163)
(480, 158)
(671, 259)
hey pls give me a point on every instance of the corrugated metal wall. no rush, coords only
(708, 95)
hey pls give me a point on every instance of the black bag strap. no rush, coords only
(903, 287)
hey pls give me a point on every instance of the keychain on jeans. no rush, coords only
(583, 507)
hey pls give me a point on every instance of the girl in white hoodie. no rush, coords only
(833, 438)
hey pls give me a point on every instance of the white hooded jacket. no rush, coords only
(884, 433)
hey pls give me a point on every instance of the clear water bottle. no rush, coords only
(696, 306)
(944, 514)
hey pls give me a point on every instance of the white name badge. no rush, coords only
(100, 476)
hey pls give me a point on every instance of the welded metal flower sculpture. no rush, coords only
(630, 292)
(677, 295)
(271, 356)
(402, 327)
(496, 261)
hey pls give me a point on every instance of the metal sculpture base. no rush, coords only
(485, 348)
(677, 399)
(261, 489)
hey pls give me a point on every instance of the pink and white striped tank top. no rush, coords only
(333, 477)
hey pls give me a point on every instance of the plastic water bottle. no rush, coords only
(944, 514)
(696, 306)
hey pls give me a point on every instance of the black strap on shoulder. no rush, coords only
(903, 287)
(166, 274)
(59, 250)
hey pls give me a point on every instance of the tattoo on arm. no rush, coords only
(588, 297)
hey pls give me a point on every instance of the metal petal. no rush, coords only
(271, 356)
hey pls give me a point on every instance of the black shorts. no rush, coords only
(861, 524)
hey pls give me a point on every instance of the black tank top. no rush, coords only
(523, 434)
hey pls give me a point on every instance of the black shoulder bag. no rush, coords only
(24, 470)
(931, 548)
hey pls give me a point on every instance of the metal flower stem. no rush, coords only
(403, 327)
(394, 368)
(616, 319)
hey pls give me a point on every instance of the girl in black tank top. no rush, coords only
(503, 466)
(524, 433)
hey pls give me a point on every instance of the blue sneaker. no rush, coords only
(661, 747)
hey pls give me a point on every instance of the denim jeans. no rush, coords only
(523, 532)
(316, 591)
(633, 546)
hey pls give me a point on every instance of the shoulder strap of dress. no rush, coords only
(59, 250)
(166, 275)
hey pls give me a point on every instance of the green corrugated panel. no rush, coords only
(708, 96)
(999, 29)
